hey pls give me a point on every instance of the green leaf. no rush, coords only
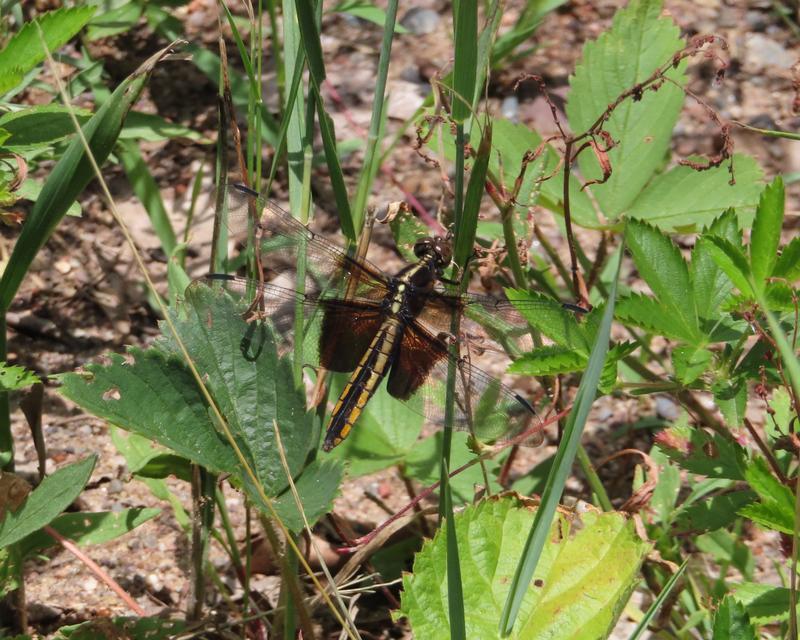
(726, 548)
(665, 271)
(24, 50)
(529, 19)
(684, 199)
(467, 223)
(39, 126)
(14, 378)
(776, 507)
(45, 502)
(317, 487)
(765, 604)
(365, 11)
(559, 603)
(548, 360)
(731, 259)
(115, 21)
(731, 621)
(766, 234)
(690, 362)
(704, 454)
(649, 314)
(465, 64)
(788, 263)
(711, 286)
(551, 318)
(713, 513)
(154, 128)
(638, 43)
(88, 528)
(730, 394)
(251, 385)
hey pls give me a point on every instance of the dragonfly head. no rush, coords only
(436, 246)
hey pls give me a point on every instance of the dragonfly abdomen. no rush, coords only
(371, 369)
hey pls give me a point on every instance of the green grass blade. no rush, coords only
(146, 189)
(455, 589)
(467, 223)
(562, 463)
(371, 156)
(665, 592)
(466, 54)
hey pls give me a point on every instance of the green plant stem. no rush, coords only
(593, 479)
(6, 438)
(520, 281)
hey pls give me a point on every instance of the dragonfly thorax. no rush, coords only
(435, 247)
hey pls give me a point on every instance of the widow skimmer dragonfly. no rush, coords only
(374, 326)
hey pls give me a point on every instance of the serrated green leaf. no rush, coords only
(665, 271)
(24, 50)
(250, 384)
(712, 513)
(731, 260)
(685, 199)
(45, 502)
(88, 528)
(766, 233)
(709, 455)
(176, 416)
(646, 312)
(731, 621)
(552, 319)
(14, 378)
(639, 42)
(776, 507)
(711, 285)
(560, 603)
(548, 360)
(10, 78)
(788, 263)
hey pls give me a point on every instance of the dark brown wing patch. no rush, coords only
(347, 331)
(418, 352)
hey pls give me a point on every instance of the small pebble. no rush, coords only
(510, 108)
(420, 21)
(115, 486)
(666, 409)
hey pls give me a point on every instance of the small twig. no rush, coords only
(767, 452)
(96, 569)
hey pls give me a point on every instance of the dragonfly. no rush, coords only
(379, 328)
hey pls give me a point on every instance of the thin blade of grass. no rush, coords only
(466, 58)
(467, 223)
(562, 464)
(146, 189)
(371, 163)
(653, 610)
(455, 589)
